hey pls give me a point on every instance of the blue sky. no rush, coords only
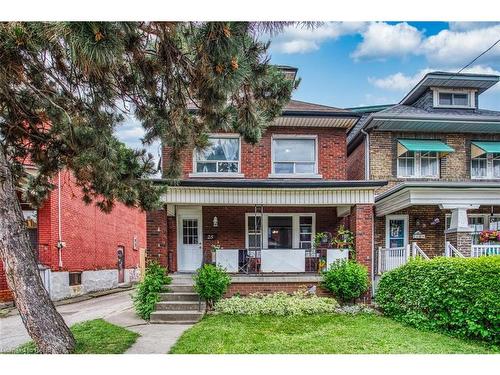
(353, 64)
(349, 64)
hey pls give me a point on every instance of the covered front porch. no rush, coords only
(254, 228)
(429, 219)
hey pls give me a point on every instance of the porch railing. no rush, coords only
(393, 257)
(484, 250)
(254, 261)
(451, 251)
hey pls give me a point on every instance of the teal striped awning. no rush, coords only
(484, 147)
(425, 145)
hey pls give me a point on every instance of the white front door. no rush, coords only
(396, 227)
(189, 238)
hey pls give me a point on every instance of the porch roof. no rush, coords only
(270, 192)
(409, 194)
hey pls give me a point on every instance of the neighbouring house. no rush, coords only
(440, 153)
(255, 209)
(79, 248)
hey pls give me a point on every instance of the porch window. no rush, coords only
(294, 156)
(279, 232)
(254, 224)
(477, 223)
(221, 156)
(305, 232)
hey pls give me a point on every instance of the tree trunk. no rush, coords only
(40, 317)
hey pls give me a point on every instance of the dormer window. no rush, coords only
(454, 98)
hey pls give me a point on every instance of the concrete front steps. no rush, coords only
(180, 304)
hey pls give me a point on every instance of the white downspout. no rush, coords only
(367, 154)
(60, 243)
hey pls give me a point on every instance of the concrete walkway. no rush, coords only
(115, 308)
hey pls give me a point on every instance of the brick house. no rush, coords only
(99, 250)
(440, 154)
(255, 209)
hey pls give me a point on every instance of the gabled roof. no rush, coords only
(480, 82)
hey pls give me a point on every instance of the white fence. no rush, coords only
(484, 250)
(393, 257)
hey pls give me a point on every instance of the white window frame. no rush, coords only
(219, 174)
(406, 233)
(489, 167)
(471, 98)
(295, 227)
(418, 166)
(295, 175)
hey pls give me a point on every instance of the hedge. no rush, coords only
(458, 296)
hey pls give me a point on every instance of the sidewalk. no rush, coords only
(116, 308)
(154, 339)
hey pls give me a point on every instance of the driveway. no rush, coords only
(115, 308)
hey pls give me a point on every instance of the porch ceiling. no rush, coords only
(437, 193)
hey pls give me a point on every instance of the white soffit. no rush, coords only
(268, 196)
(436, 196)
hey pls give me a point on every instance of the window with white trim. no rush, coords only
(418, 164)
(294, 156)
(485, 166)
(221, 156)
(280, 231)
(454, 99)
(254, 232)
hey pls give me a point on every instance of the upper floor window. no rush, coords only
(486, 166)
(221, 156)
(294, 155)
(418, 164)
(454, 99)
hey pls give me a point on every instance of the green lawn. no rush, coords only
(94, 337)
(335, 334)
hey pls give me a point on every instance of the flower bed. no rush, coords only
(278, 304)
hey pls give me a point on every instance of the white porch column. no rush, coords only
(459, 232)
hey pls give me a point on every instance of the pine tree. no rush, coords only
(63, 90)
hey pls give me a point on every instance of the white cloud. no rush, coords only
(460, 47)
(382, 40)
(404, 82)
(305, 39)
(466, 26)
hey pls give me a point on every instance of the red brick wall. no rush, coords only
(361, 224)
(157, 236)
(356, 163)
(5, 293)
(91, 236)
(256, 159)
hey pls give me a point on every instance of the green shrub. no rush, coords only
(147, 293)
(278, 304)
(459, 296)
(346, 279)
(211, 282)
